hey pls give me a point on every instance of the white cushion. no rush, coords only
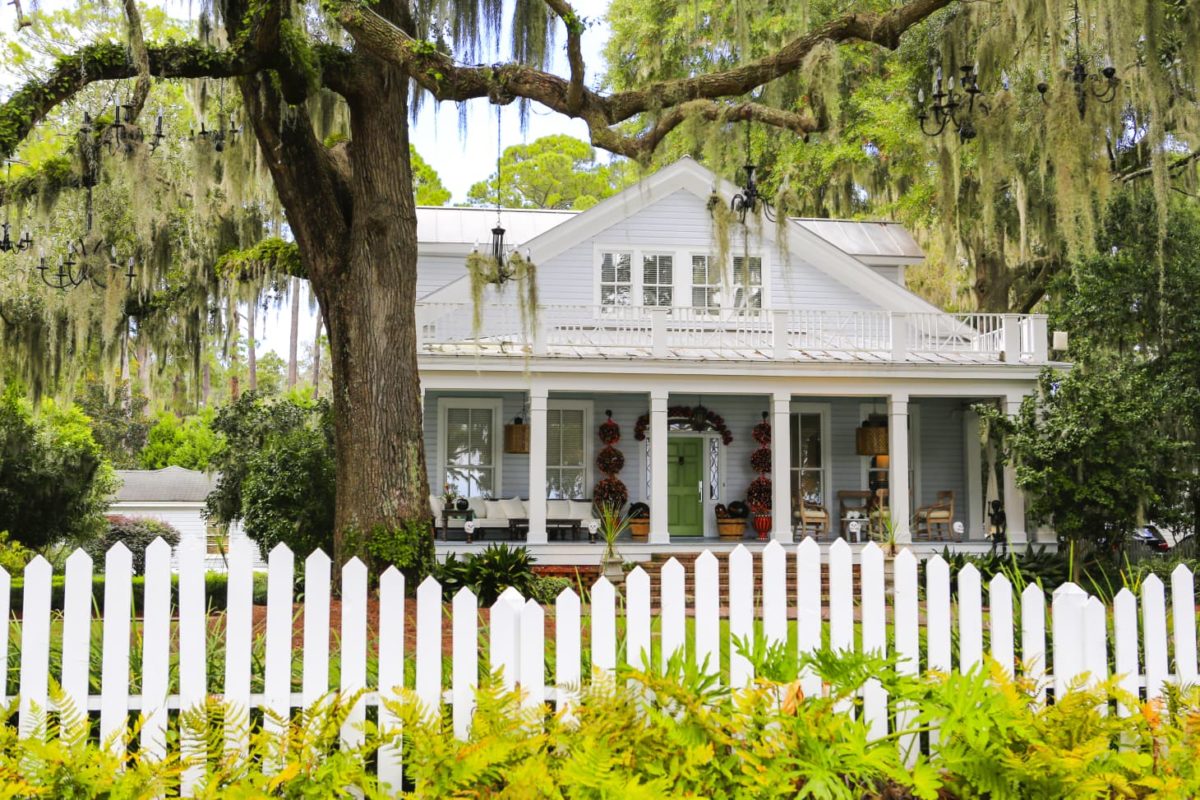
(477, 505)
(435, 506)
(512, 509)
(558, 509)
(494, 509)
(580, 509)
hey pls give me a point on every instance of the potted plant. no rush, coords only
(639, 521)
(758, 498)
(731, 519)
(612, 524)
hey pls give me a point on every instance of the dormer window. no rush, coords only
(616, 279)
(657, 280)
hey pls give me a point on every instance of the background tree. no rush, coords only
(190, 442)
(55, 483)
(276, 468)
(1113, 444)
(118, 421)
(326, 91)
(427, 184)
(552, 172)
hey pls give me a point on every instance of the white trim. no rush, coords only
(588, 408)
(496, 404)
(825, 410)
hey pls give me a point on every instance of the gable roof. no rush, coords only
(874, 242)
(454, 230)
(166, 485)
(688, 175)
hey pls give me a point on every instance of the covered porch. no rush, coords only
(526, 464)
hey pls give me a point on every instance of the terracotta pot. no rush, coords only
(731, 528)
(762, 524)
(639, 528)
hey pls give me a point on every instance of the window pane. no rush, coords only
(700, 274)
(572, 438)
(624, 267)
(810, 428)
(811, 481)
(656, 297)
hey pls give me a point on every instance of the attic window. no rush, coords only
(616, 279)
(748, 278)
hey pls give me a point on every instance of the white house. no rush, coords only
(176, 496)
(806, 324)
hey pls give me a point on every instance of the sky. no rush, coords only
(460, 160)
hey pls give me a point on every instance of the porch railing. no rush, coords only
(793, 334)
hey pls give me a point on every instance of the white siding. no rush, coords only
(188, 519)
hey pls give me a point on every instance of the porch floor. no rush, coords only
(582, 553)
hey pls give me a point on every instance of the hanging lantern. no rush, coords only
(871, 438)
(516, 437)
(498, 246)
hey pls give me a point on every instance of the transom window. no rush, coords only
(616, 279)
(468, 447)
(657, 280)
(567, 458)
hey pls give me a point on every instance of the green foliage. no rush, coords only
(118, 421)
(216, 585)
(54, 480)
(552, 172)
(136, 533)
(276, 471)
(409, 548)
(269, 256)
(489, 572)
(427, 184)
(190, 443)
(13, 555)
(1114, 442)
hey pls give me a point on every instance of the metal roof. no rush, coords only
(166, 485)
(872, 242)
(878, 242)
(466, 226)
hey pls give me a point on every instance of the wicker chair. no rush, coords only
(810, 516)
(936, 520)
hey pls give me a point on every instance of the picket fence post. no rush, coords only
(35, 648)
(239, 611)
(464, 676)
(906, 612)
(1154, 635)
(315, 676)
(156, 647)
(741, 614)
(1125, 645)
(604, 626)
(1033, 637)
(874, 635)
(808, 609)
(567, 649)
(354, 648)
(672, 629)
(1000, 598)
(637, 619)
(428, 680)
(1183, 610)
(774, 593)
(391, 671)
(277, 671)
(193, 657)
(505, 628)
(706, 583)
(970, 619)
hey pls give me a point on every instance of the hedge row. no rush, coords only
(214, 591)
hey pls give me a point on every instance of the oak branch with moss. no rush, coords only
(349, 204)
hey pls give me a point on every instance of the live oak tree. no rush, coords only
(1000, 215)
(305, 72)
(556, 171)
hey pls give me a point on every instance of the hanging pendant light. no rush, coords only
(871, 438)
(503, 272)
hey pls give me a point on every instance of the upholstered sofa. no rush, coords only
(511, 516)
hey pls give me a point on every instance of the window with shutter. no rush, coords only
(657, 280)
(567, 453)
(469, 442)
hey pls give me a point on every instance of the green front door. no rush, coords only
(685, 490)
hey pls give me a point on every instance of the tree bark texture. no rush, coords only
(251, 348)
(316, 365)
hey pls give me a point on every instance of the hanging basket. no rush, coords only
(516, 438)
(871, 440)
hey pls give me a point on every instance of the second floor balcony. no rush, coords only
(584, 331)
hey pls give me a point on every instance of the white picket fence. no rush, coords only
(1079, 633)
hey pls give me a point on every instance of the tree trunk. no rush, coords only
(252, 347)
(294, 336)
(143, 357)
(206, 384)
(316, 367)
(234, 389)
(351, 209)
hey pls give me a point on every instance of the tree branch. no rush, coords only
(30, 104)
(575, 28)
(141, 58)
(1178, 163)
(713, 110)
(436, 72)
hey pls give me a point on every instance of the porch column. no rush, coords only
(1014, 498)
(976, 516)
(537, 466)
(781, 467)
(898, 465)
(659, 533)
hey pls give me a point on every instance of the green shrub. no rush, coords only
(547, 588)
(489, 572)
(13, 555)
(136, 533)
(651, 734)
(215, 584)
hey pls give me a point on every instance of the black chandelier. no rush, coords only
(218, 135)
(749, 199)
(1102, 87)
(504, 269)
(78, 266)
(950, 106)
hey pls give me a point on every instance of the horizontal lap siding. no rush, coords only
(943, 452)
(796, 283)
(434, 272)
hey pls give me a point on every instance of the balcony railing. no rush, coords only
(697, 333)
